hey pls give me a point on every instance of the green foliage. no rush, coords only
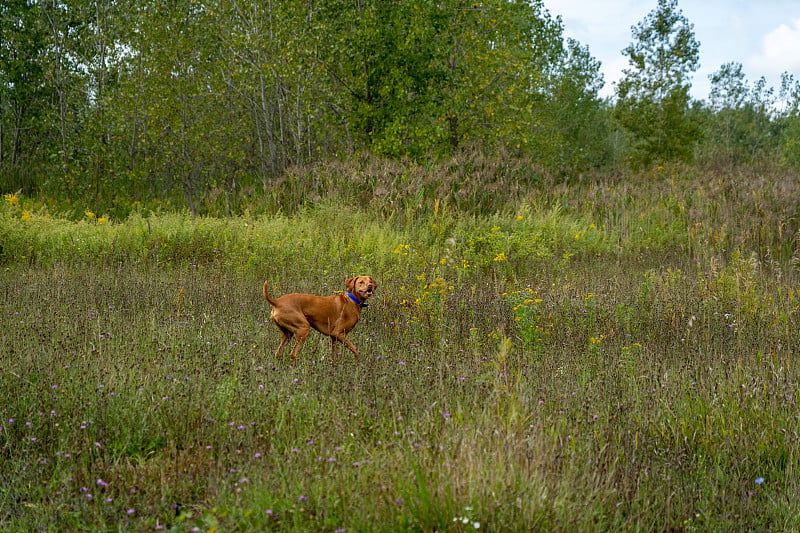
(387, 61)
(204, 104)
(789, 121)
(576, 133)
(472, 227)
(113, 106)
(424, 77)
(23, 91)
(531, 324)
(653, 97)
(739, 129)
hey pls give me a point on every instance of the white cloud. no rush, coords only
(763, 36)
(612, 73)
(779, 51)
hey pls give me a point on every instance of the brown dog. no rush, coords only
(295, 314)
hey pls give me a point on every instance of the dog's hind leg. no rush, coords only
(300, 334)
(287, 336)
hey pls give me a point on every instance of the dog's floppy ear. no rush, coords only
(350, 284)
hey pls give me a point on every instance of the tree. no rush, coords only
(114, 100)
(653, 96)
(502, 60)
(789, 119)
(188, 128)
(23, 93)
(739, 125)
(277, 80)
(387, 62)
(423, 77)
(580, 134)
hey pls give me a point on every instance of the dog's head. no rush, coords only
(362, 287)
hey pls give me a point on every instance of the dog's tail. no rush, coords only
(266, 295)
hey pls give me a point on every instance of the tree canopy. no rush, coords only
(653, 96)
(115, 98)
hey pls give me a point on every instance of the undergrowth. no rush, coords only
(593, 358)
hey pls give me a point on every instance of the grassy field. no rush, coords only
(605, 355)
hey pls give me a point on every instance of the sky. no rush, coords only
(762, 35)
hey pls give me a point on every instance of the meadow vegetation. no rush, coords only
(542, 354)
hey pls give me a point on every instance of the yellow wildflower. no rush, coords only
(12, 199)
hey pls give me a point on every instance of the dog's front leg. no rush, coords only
(333, 347)
(341, 337)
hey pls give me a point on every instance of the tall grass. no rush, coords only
(599, 356)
